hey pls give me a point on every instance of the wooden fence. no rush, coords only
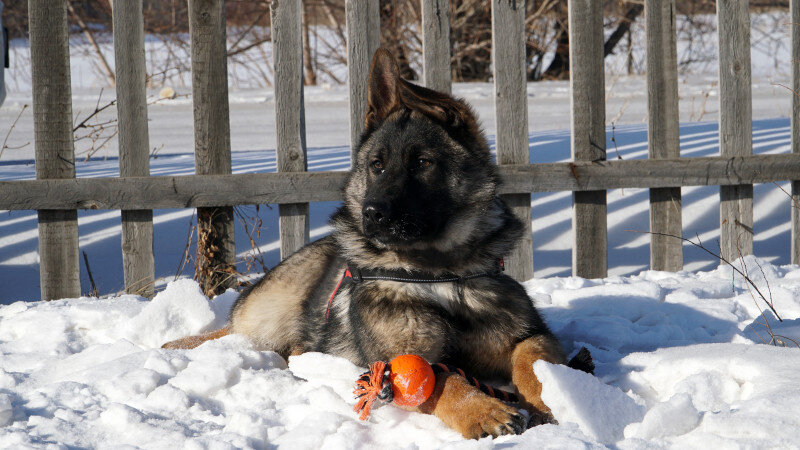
(57, 194)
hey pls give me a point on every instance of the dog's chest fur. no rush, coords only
(387, 318)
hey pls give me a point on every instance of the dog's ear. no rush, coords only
(384, 88)
(449, 112)
(388, 92)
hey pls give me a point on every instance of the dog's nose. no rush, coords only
(377, 213)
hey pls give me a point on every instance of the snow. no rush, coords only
(680, 363)
(683, 359)
(600, 410)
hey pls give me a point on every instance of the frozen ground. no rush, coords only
(680, 363)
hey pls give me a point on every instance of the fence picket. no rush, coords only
(666, 253)
(735, 124)
(436, 44)
(212, 139)
(588, 136)
(795, 201)
(511, 111)
(59, 266)
(289, 117)
(363, 38)
(134, 159)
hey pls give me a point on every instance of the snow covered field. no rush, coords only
(681, 358)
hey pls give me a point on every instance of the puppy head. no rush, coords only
(422, 163)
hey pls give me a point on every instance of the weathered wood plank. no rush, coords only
(795, 212)
(794, 7)
(649, 173)
(137, 251)
(134, 159)
(735, 124)
(59, 266)
(193, 191)
(293, 226)
(189, 191)
(511, 112)
(587, 110)
(666, 253)
(363, 38)
(436, 44)
(212, 140)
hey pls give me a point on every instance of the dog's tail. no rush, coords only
(193, 341)
(582, 361)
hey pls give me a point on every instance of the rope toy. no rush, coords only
(408, 380)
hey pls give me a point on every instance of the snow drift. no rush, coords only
(679, 357)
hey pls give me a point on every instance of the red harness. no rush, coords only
(346, 274)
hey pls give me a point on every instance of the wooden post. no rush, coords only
(794, 25)
(436, 44)
(59, 265)
(289, 117)
(363, 38)
(216, 251)
(511, 112)
(666, 253)
(735, 124)
(134, 142)
(587, 110)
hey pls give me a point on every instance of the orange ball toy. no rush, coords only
(412, 380)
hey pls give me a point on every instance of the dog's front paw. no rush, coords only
(493, 418)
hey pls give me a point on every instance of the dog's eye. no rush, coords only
(377, 165)
(422, 162)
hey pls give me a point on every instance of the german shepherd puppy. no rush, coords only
(421, 204)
